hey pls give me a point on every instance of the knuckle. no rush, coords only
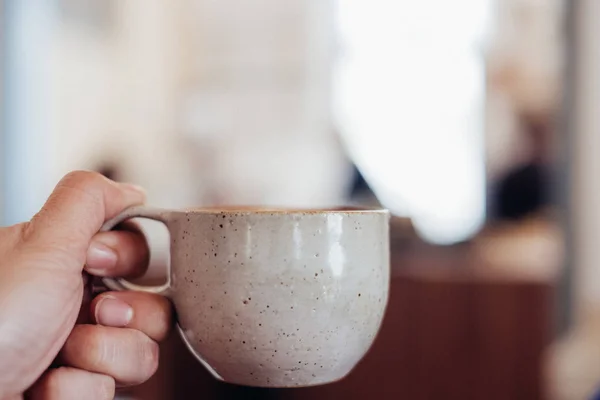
(147, 354)
(77, 188)
(82, 179)
(59, 384)
(129, 356)
(92, 342)
(106, 387)
(53, 382)
(87, 183)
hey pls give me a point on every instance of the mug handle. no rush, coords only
(120, 284)
(156, 214)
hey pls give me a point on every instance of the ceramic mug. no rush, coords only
(274, 298)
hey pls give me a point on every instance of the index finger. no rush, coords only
(120, 253)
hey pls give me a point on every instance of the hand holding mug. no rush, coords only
(54, 344)
(275, 298)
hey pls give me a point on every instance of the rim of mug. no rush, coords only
(286, 210)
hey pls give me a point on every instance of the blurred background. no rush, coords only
(474, 121)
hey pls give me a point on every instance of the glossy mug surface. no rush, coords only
(275, 298)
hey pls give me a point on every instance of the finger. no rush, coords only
(72, 384)
(150, 313)
(123, 253)
(127, 355)
(76, 210)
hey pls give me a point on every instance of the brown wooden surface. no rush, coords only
(451, 331)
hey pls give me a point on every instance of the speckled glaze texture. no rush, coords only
(279, 299)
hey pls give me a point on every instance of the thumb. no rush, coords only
(75, 212)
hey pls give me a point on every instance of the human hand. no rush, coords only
(53, 343)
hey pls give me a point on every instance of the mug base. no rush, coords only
(291, 385)
(264, 380)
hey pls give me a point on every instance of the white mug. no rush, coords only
(271, 297)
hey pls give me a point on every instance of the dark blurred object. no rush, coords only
(526, 189)
(359, 184)
(360, 192)
(110, 171)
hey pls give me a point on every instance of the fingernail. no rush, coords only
(111, 311)
(100, 257)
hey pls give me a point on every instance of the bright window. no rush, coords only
(409, 101)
